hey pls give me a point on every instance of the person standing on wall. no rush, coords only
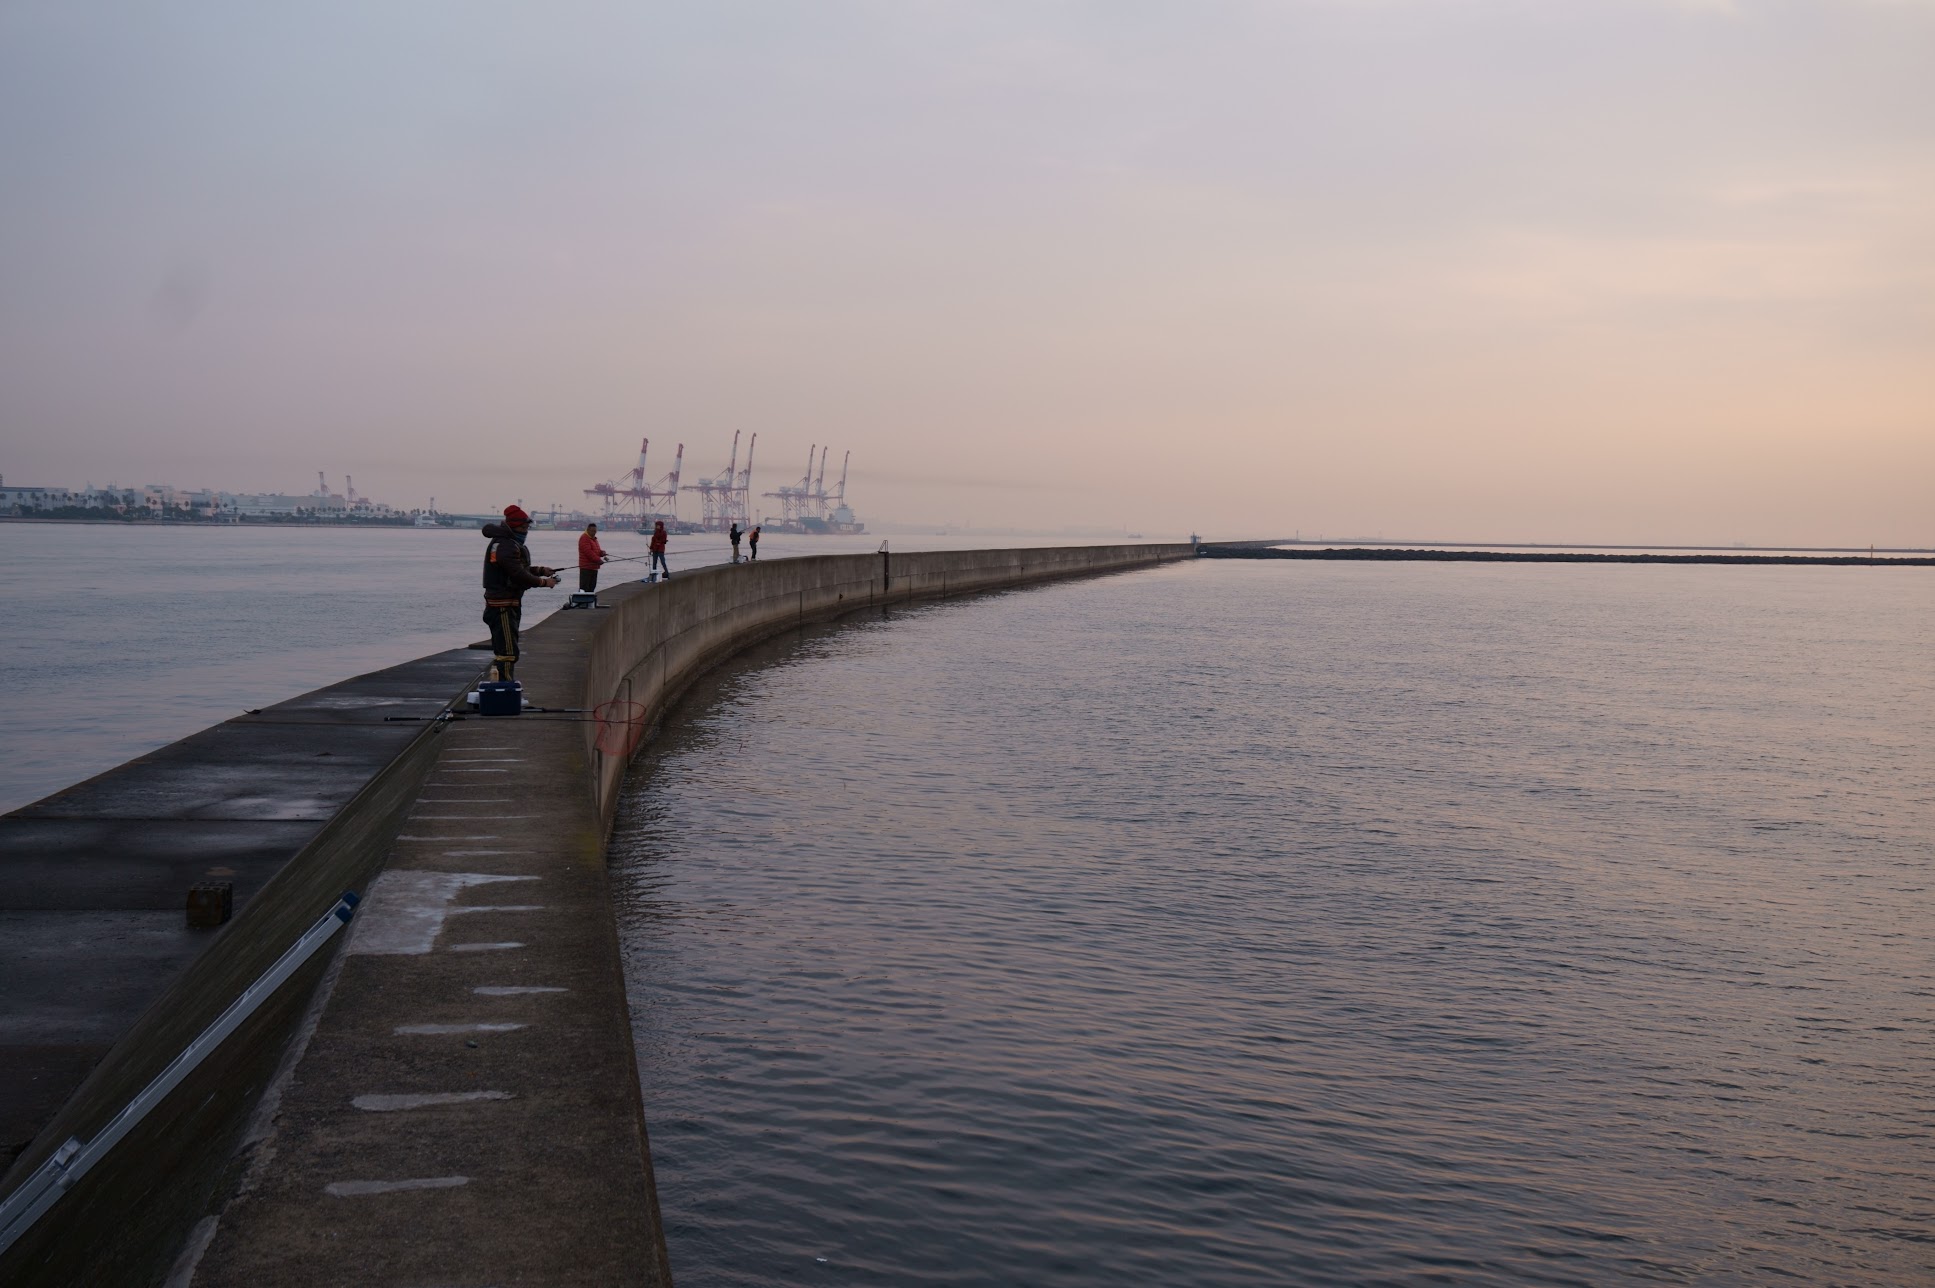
(752, 539)
(658, 563)
(591, 557)
(508, 573)
(733, 537)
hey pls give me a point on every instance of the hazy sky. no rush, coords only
(1546, 269)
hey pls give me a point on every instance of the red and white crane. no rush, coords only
(722, 500)
(630, 499)
(792, 497)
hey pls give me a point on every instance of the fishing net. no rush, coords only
(620, 726)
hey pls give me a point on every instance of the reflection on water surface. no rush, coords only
(1259, 924)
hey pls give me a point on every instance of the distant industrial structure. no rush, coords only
(723, 501)
(726, 498)
(630, 501)
(805, 506)
(165, 501)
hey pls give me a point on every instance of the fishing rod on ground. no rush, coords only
(449, 717)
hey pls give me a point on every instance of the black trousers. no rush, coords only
(587, 579)
(503, 623)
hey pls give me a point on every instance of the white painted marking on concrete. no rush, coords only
(462, 818)
(515, 990)
(491, 837)
(405, 910)
(395, 1104)
(484, 760)
(355, 1189)
(438, 1030)
(470, 854)
(500, 907)
(478, 771)
(484, 948)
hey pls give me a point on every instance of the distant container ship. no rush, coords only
(840, 521)
(807, 507)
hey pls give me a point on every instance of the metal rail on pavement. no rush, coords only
(71, 1161)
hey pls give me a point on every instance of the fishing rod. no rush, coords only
(683, 550)
(561, 569)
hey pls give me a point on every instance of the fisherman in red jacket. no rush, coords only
(658, 563)
(591, 557)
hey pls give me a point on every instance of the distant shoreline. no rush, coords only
(250, 521)
(1570, 546)
(1388, 555)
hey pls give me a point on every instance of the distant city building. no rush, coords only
(32, 498)
(163, 500)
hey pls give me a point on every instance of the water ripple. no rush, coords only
(1244, 924)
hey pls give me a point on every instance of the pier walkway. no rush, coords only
(466, 1110)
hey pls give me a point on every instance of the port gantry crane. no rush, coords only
(630, 499)
(723, 501)
(742, 489)
(819, 488)
(806, 506)
(792, 498)
(662, 497)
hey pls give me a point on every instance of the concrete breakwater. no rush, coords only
(1389, 554)
(102, 982)
(458, 1103)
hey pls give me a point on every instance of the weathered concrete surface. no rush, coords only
(101, 983)
(433, 1133)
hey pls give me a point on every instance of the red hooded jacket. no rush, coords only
(590, 553)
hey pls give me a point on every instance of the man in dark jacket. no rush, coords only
(657, 546)
(507, 575)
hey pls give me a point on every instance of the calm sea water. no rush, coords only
(122, 638)
(1303, 924)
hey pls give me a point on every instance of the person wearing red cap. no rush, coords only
(507, 575)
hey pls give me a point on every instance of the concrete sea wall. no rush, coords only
(102, 983)
(460, 1103)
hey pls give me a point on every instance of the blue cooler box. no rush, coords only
(500, 698)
